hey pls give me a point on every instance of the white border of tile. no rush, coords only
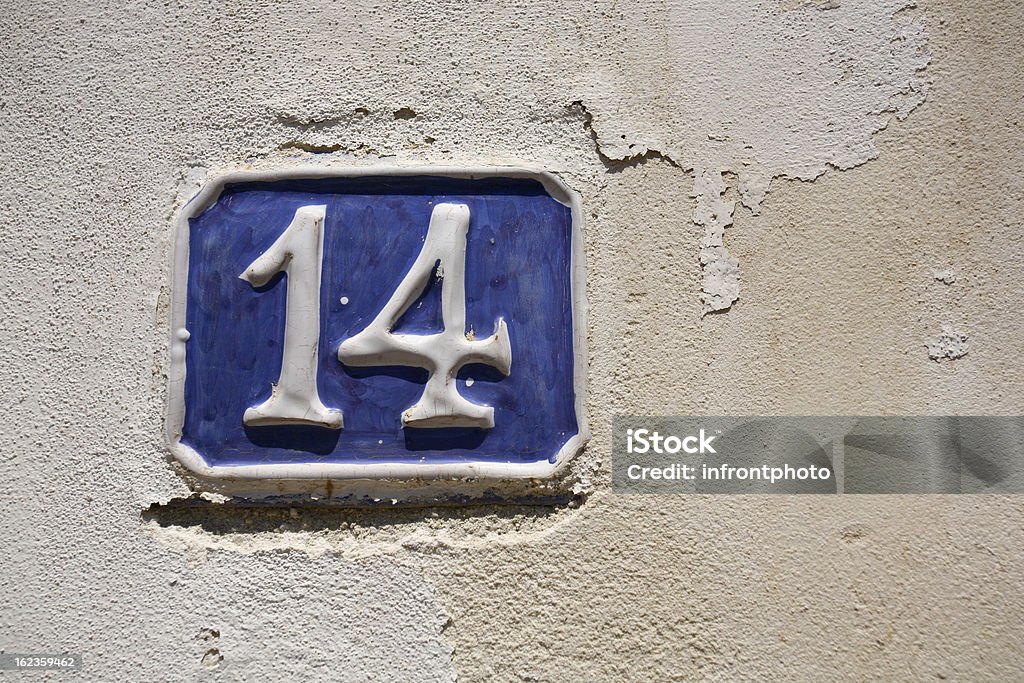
(382, 471)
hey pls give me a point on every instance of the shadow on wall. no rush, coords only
(252, 518)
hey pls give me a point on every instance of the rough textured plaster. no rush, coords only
(111, 117)
(949, 345)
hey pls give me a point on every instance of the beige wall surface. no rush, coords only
(826, 160)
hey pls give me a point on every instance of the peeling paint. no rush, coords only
(720, 283)
(777, 90)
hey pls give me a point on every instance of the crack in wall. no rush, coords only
(618, 164)
(313, 148)
(358, 131)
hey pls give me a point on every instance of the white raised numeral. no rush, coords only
(441, 354)
(294, 399)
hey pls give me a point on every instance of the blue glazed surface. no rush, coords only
(517, 268)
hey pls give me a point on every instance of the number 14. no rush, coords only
(294, 398)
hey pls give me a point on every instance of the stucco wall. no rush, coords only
(887, 140)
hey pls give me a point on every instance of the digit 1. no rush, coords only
(294, 399)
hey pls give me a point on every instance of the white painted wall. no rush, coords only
(823, 159)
